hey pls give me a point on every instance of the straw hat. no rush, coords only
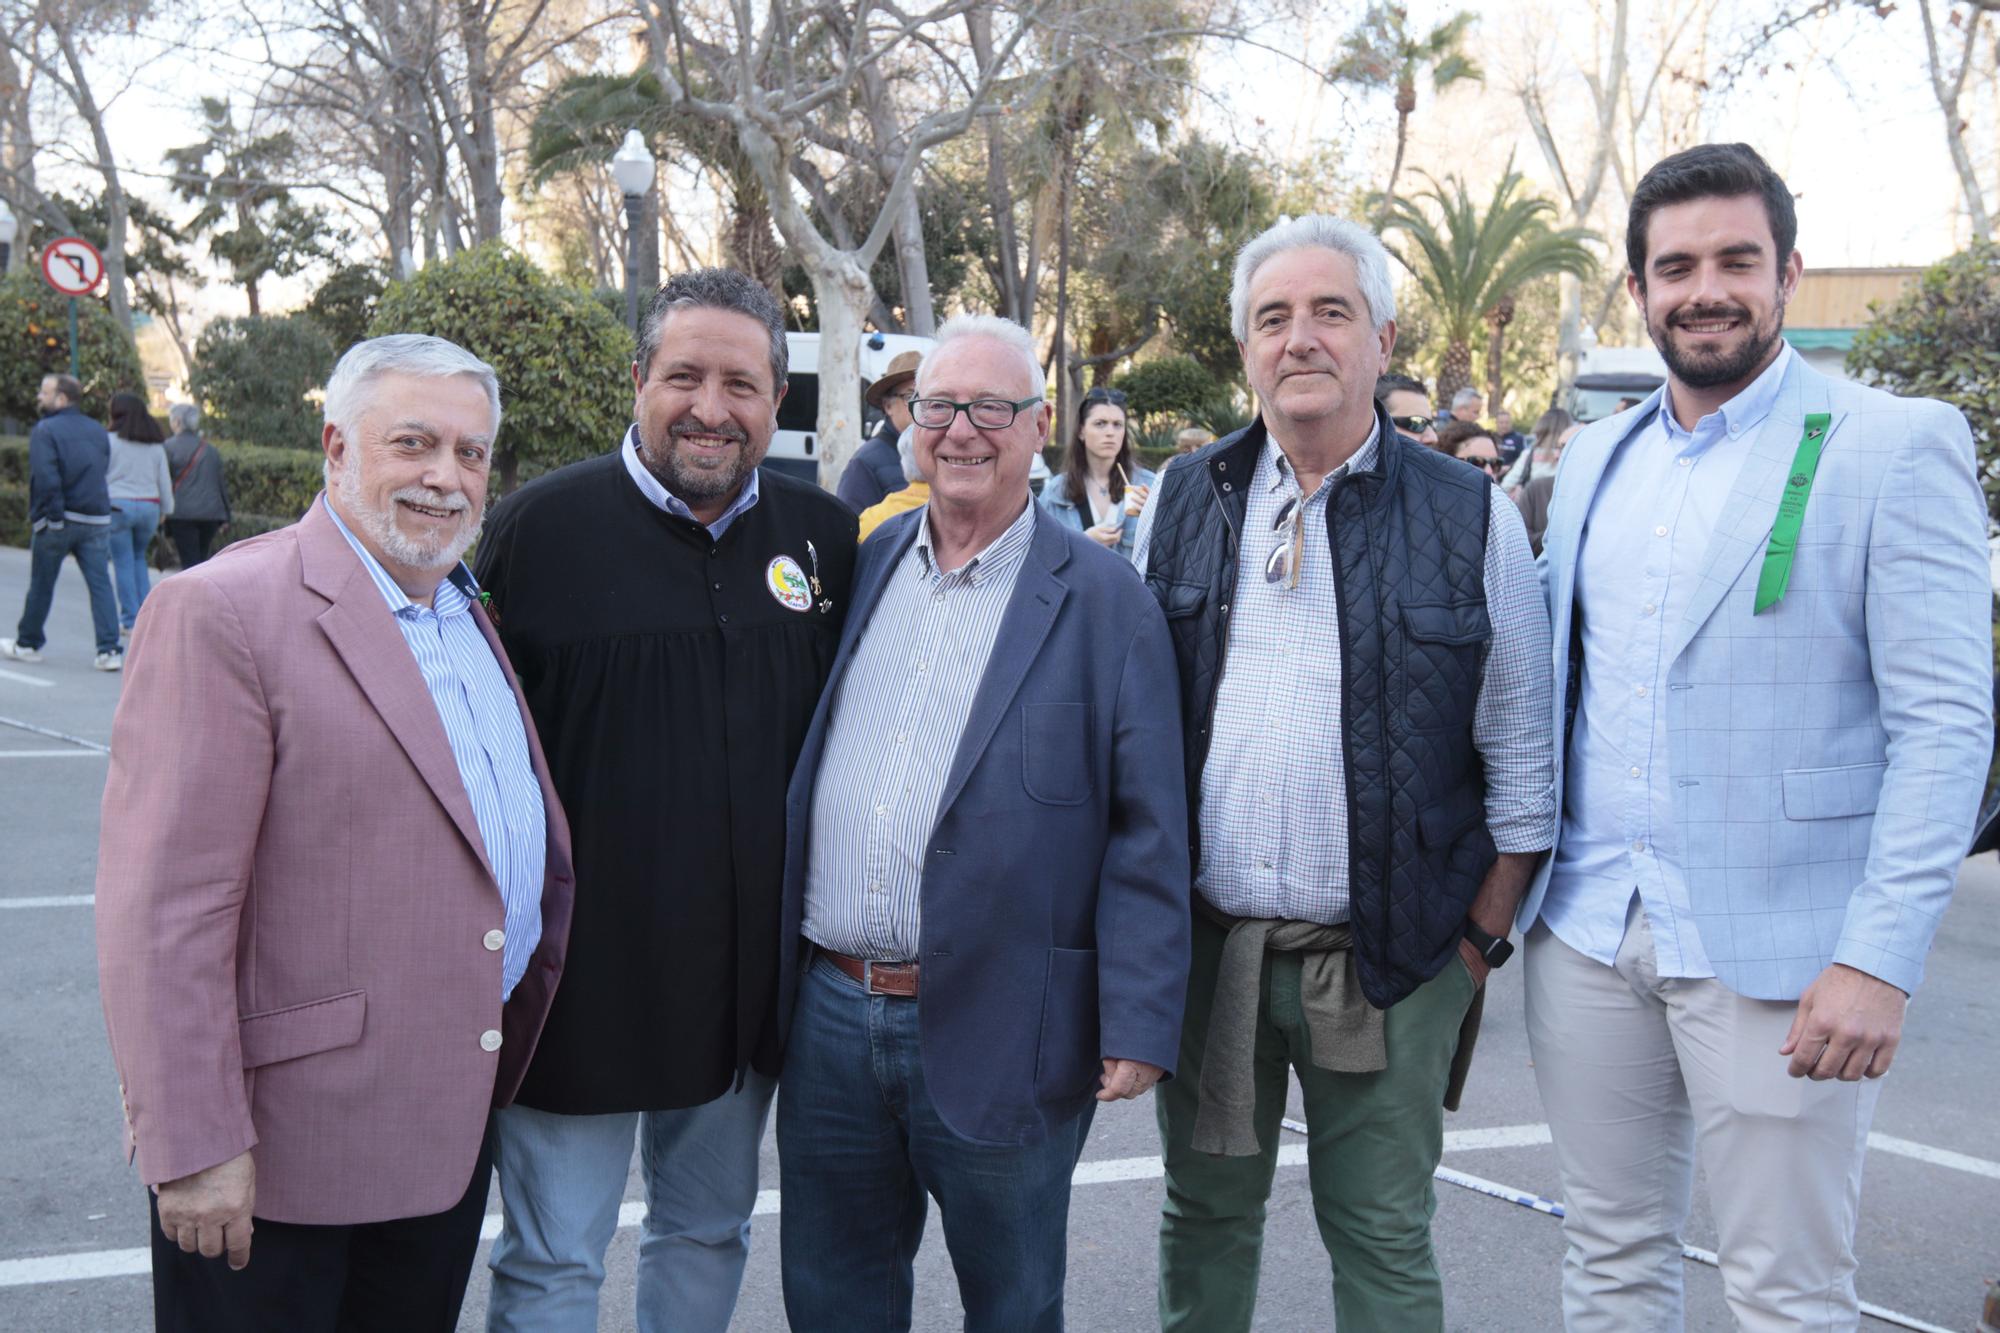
(901, 371)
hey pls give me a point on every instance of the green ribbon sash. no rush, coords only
(1777, 571)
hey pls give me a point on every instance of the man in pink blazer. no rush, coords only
(334, 884)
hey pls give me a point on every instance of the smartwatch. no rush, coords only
(1495, 949)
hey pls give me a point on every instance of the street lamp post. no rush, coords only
(632, 167)
(10, 227)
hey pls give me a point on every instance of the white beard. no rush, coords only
(440, 552)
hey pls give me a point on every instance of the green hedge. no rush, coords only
(268, 488)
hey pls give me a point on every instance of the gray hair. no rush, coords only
(416, 354)
(1371, 263)
(183, 417)
(1466, 395)
(715, 289)
(1003, 331)
(906, 450)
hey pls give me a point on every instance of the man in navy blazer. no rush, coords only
(986, 894)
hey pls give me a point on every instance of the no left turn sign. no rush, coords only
(73, 266)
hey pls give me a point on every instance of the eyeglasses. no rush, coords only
(1414, 425)
(983, 413)
(1288, 552)
(1495, 464)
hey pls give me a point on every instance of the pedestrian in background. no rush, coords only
(201, 494)
(1408, 404)
(916, 493)
(876, 471)
(1102, 487)
(1544, 448)
(142, 492)
(1470, 442)
(69, 514)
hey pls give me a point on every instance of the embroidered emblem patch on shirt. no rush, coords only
(787, 583)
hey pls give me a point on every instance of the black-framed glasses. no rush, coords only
(1414, 425)
(1288, 551)
(983, 413)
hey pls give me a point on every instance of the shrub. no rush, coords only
(1167, 386)
(253, 374)
(1941, 339)
(562, 358)
(268, 488)
(34, 341)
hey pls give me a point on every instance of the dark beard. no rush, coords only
(691, 483)
(1732, 367)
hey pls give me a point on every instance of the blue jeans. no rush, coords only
(132, 524)
(46, 551)
(861, 1146)
(562, 1178)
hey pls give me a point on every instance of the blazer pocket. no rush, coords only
(302, 1029)
(1066, 1058)
(1055, 753)
(1832, 793)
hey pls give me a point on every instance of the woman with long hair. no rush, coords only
(142, 493)
(1544, 448)
(1101, 488)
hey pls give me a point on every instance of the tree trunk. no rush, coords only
(1946, 86)
(1497, 320)
(1395, 166)
(913, 266)
(1064, 427)
(250, 291)
(843, 293)
(478, 145)
(1455, 370)
(115, 206)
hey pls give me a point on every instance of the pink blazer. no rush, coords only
(293, 906)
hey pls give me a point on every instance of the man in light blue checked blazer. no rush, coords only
(1770, 602)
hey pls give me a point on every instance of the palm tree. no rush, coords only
(1470, 264)
(1381, 53)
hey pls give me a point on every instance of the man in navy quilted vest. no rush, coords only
(1366, 684)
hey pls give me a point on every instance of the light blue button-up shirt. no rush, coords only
(482, 720)
(662, 498)
(1644, 542)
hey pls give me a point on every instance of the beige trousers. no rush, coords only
(1635, 1070)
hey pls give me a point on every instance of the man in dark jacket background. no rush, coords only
(1371, 785)
(876, 470)
(69, 509)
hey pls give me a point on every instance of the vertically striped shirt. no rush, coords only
(894, 727)
(489, 740)
(1274, 788)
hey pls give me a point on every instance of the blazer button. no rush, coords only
(489, 1040)
(494, 940)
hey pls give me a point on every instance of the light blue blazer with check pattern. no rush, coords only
(1827, 756)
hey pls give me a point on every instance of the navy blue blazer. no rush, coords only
(1055, 890)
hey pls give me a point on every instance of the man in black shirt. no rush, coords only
(673, 613)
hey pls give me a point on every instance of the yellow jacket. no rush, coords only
(896, 502)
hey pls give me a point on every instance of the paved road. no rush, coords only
(1930, 1233)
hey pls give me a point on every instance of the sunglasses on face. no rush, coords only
(1490, 464)
(1414, 425)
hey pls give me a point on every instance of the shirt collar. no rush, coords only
(662, 498)
(448, 600)
(1361, 460)
(1745, 412)
(1002, 551)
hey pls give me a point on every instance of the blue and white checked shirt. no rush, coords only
(490, 742)
(1644, 543)
(1274, 787)
(895, 725)
(662, 498)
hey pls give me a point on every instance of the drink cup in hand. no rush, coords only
(1135, 499)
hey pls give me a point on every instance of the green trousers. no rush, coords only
(1373, 1141)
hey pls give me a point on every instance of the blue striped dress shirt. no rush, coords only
(894, 729)
(489, 740)
(1274, 789)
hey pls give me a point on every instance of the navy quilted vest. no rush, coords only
(1409, 544)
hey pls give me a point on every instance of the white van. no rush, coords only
(795, 448)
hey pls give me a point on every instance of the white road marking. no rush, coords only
(51, 754)
(93, 1264)
(25, 678)
(74, 900)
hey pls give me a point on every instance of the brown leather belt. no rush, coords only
(899, 979)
